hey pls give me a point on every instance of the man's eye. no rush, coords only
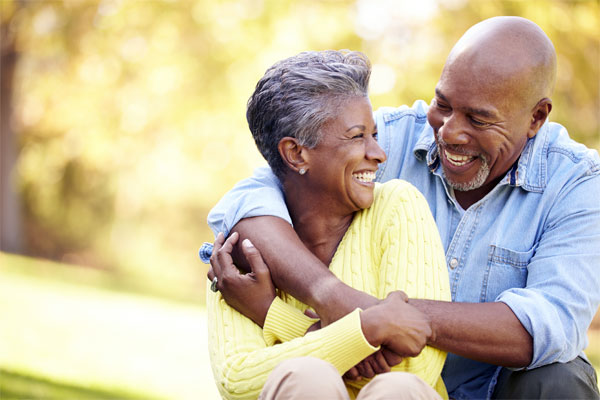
(441, 106)
(477, 122)
(376, 136)
(360, 135)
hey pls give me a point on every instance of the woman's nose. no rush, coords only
(374, 151)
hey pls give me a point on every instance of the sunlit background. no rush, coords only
(123, 122)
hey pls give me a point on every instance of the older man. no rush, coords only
(516, 202)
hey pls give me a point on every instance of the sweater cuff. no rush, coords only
(346, 344)
(284, 323)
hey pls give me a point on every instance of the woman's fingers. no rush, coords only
(364, 368)
(352, 374)
(221, 259)
(255, 260)
(379, 363)
(215, 269)
(223, 255)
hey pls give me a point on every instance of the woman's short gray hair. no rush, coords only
(296, 96)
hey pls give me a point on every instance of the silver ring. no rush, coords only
(213, 285)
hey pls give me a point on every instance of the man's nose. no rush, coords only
(453, 130)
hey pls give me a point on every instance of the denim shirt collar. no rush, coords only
(529, 172)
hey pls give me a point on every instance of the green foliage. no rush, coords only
(131, 114)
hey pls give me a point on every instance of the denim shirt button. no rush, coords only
(453, 263)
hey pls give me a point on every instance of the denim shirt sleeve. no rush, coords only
(256, 196)
(563, 282)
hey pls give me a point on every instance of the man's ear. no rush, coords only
(538, 116)
(292, 153)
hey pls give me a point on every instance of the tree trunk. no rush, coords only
(11, 229)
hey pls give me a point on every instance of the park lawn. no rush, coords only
(63, 340)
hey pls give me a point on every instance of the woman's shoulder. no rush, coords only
(395, 190)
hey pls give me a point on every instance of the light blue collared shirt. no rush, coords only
(532, 243)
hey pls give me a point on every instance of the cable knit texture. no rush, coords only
(393, 245)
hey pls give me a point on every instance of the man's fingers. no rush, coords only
(210, 274)
(399, 294)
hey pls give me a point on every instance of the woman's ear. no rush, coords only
(293, 154)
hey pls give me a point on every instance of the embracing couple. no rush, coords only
(470, 271)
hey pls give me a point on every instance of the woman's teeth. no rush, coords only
(458, 159)
(366, 177)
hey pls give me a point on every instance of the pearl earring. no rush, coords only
(302, 171)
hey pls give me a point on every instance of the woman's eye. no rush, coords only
(360, 135)
(376, 136)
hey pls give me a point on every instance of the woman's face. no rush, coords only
(342, 166)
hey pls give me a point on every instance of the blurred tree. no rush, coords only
(130, 115)
(10, 211)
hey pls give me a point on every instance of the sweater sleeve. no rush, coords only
(412, 260)
(241, 360)
(285, 322)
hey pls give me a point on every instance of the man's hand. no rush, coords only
(252, 293)
(397, 325)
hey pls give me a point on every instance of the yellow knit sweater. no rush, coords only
(393, 245)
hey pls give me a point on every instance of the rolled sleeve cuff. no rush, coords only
(346, 344)
(285, 322)
(540, 319)
(205, 252)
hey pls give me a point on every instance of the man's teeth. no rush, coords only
(366, 177)
(457, 159)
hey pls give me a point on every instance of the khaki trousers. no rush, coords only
(312, 378)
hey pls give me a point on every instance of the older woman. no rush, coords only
(312, 121)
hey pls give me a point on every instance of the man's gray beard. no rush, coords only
(476, 183)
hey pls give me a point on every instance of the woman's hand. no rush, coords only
(251, 294)
(377, 363)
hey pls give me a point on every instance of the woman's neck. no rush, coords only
(319, 226)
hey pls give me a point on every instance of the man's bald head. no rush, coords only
(509, 51)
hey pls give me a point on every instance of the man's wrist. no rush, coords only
(425, 307)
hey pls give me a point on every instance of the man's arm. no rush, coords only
(295, 270)
(487, 332)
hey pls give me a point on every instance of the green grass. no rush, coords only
(60, 340)
(14, 385)
(66, 333)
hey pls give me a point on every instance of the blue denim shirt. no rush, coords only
(532, 243)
